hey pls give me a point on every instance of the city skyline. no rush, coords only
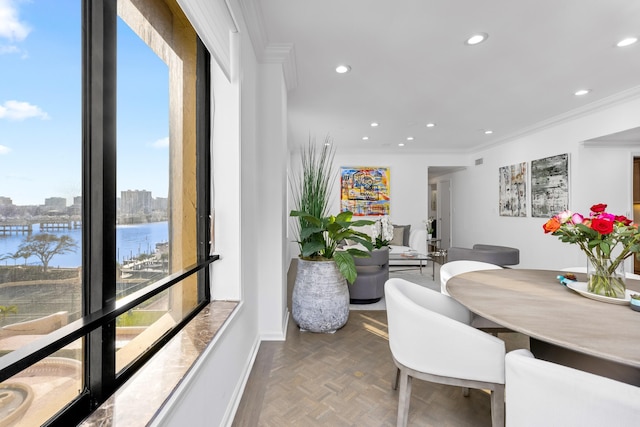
(72, 201)
(40, 105)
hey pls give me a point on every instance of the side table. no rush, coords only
(438, 257)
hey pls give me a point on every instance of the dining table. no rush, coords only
(564, 326)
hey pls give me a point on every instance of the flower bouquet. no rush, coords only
(606, 239)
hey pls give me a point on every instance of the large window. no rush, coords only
(104, 196)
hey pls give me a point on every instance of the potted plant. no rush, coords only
(320, 301)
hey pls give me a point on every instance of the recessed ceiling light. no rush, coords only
(409, 138)
(365, 138)
(582, 92)
(374, 124)
(341, 69)
(627, 42)
(430, 125)
(488, 132)
(477, 38)
(401, 144)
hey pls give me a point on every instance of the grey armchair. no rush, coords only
(373, 272)
(492, 254)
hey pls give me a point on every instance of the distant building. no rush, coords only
(160, 204)
(55, 204)
(5, 201)
(76, 208)
(134, 202)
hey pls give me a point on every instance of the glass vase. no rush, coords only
(605, 279)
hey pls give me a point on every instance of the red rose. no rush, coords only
(552, 225)
(602, 226)
(623, 219)
(600, 207)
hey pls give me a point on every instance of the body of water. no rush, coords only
(131, 241)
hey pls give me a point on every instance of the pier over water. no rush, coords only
(15, 227)
(26, 226)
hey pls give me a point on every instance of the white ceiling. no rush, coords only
(410, 66)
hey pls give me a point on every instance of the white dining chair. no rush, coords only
(541, 393)
(454, 268)
(431, 339)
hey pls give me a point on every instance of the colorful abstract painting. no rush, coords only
(513, 190)
(549, 186)
(365, 190)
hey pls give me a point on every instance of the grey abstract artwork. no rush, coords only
(549, 185)
(513, 190)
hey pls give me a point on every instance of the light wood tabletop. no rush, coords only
(534, 303)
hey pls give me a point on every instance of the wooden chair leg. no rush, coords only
(404, 398)
(497, 406)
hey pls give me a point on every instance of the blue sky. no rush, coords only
(40, 111)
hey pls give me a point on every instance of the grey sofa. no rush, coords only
(498, 255)
(373, 272)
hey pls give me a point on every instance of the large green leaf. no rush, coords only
(346, 265)
(309, 248)
(364, 242)
(362, 222)
(359, 253)
(344, 216)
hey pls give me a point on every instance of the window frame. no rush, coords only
(100, 308)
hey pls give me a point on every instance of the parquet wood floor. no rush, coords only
(344, 379)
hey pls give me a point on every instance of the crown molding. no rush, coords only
(285, 54)
(602, 104)
(268, 53)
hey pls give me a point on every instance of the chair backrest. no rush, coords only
(379, 257)
(541, 393)
(430, 332)
(453, 268)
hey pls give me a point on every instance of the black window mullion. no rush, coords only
(99, 189)
(203, 165)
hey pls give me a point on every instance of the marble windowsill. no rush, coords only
(141, 397)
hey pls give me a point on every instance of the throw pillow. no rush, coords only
(406, 231)
(398, 236)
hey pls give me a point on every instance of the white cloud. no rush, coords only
(16, 110)
(161, 143)
(4, 150)
(4, 49)
(10, 25)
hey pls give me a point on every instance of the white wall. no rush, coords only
(249, 216)
(271, 180)
(597, 175)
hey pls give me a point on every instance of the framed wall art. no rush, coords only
(549, 185)
(364, 190)
(513, 190)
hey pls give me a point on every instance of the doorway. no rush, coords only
(444, 213)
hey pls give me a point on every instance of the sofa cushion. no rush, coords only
(398, 235)
(406, 231)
